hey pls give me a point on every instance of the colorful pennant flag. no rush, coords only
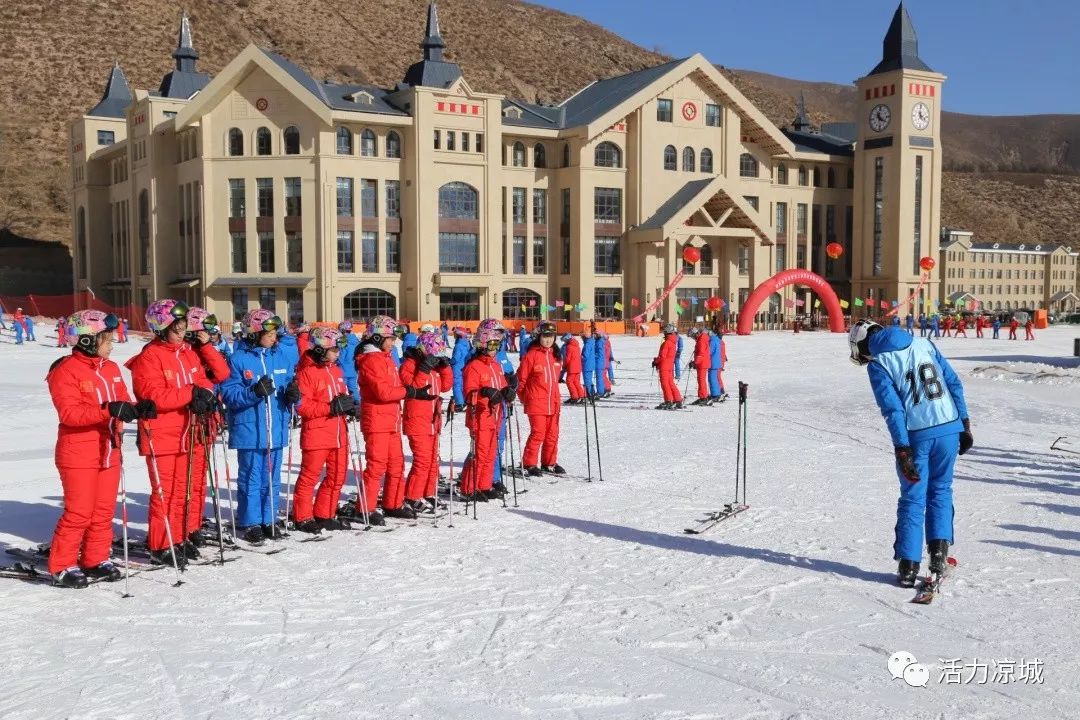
(789, 303)
(843, 303)
(858, 302)
(693, 299)
(532, 303)
(618, 306)
(884, 304)
(800, 303)
(678, 309)
(633, 302)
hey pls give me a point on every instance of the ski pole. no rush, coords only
(588, 453)
(228, 482)
(451, 510)
(270, 471)
(686, 385)
(744, 391)
(513, 462)
(289, 465)
(124, 525)
(211, 469)
(596, 431)
(155, 482)
(361, 498)
(187, 491)
(738, 447)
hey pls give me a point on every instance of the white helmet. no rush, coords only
(427, 327)
(859, 340)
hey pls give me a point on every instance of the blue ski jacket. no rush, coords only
(247, 412)
(458, 359)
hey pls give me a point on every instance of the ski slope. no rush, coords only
(588, 601)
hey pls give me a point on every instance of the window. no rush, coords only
(706, 263)
(604, 300)
(539, 213)
(752, 200)
(268, 299)
(606, 256)
(521, 304)
(744, 260)
(608, 154)
(566, 155)
(266, 252)
(802, 175)
(292, 197)
(748, 166)
(367, 143)
(238, 241)
(519, 154)
(393, 145)
(368, 302)
(781, 174)
(781, 257)
(564, 256)
(479, 142)
(706, 160)
(879, 211)
(465, 141)
(457, 303)
(369, 199)
(144, 232)
(663, 110)
(670, 157)
(688, 159)
(292, 140)
(369, 252)
(106, 137)
(817, 177)
(459, 252)
(800, 219)
(517, 251)
(393, 198)
(451, 140)
(345, 250)
(344, 141)
(539, 156)
(438, 140)
(458, 201)
(518, 200)
(81, 251)
(294, 305)
(607, 206)
(539, 255)
(566, 206)
(688, 267)
(239, 303)
(264, 188)
(236, 142)
(712, 115)
(344, 197)
(263, 145)
(236, 198)
(917, 228)
(830, 178)
(781, 219)
(294, 252)
(393, 252)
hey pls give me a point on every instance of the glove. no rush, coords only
(692, 365)
(146, 409)
(203, 402)
(292, 393)
(492, 394)
(906, 460)
(509, 394)
(121, 410)
(656, 363)
(342, 405)
(966, 438)
(264, 388)
(442, 362)
(415, 393)
(562, 379)
(512, 380)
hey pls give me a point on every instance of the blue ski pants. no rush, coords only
(715, 388)
(256, 503)
(928, 504)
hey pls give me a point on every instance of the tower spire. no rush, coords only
(185, 52)
(802, 122)
(900, 48)
(433, 44)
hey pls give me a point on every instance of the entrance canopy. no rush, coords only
(705, 208)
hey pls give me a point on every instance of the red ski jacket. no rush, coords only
(572, 363)
(1014, 323)
(539, 374)
(702, 353)
(80, 385)
(668, 350)
(166, 374)
(319, 383)
(214, 363)
(381, 391)
(424, 417)
(481, 372)
(303, 342)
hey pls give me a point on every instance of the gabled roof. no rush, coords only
(116, 98)
(1063, 295)
(900, 48)
(595, 99)
(334, 94)
(675, 203)
(728, 213)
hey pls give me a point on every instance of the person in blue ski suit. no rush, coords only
(678, 355)
(408, 341)
(922, 325)
(909, 323)
(459, 358)
(922, 401)
(30, 329)
(997, 327)
(258, 395)
(588, 362)
(716, 364)
(444, 330)
(609, 362)
(600, 348)
(524, 340)
(511, 381)
(347, 360)
(395, 351)
(935, 325)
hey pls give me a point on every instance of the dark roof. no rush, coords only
(603, 95)
(433, 70)
(900, 48)
(808, 141)
(536, 116)
(1015, 247)
(334, 94)
(847, 131)
(674, 204)
(116, 98)
(185, 80)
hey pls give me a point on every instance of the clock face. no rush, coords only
(920, 116)
(880, 116)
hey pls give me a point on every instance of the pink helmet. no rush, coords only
(261, 320)
(88, 324)
(460, 332)
(487, 335)
(490, 324)
(345, 326)
(326, 338)
(201, 319)
(381, 326)
(163, 313)
(431, 343)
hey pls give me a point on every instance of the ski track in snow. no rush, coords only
(588, 601)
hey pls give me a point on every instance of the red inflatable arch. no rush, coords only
(783, 279)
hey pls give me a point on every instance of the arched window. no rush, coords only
(748, 166)
(608, 154)
(393, 145)
(367, 143)
(539, 156)
(458, 201)
(802, 175)
(263, 144)
(688, 159)
(830, 178)
(817, 177)
(513, 300)
(366, 302)
(344, 141)
(81, 250)
(705, 264)
(518, 158)
(292, 140)
(781, 174)
(706, 160)
(236, 142)
(670, 157)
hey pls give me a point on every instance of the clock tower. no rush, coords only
(897, 194)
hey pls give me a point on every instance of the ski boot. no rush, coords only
(374, 518)
(555, 469)
(108, 571)
(333, 524)
(497, 492)
(311, 525)
(907, 573)
(534, 471)
(254, 535)
(663, 406)
(165, 556)
(939, 555)
(401, 513)
(676, 405)
(190, 551)
(197, 539)
(701, 401)
(73, 578)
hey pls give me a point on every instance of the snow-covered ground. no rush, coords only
(588, 601)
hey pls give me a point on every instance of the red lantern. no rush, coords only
(834, 250)
(713, 303)
(691, 254)
(927, 263)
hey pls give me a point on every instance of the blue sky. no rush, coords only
(1001, 57)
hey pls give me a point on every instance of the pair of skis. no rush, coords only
(739, 504)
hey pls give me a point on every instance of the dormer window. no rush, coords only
(1039, 247)
(1021, 246)
(361, 97)
(997, 245)
(514, 113)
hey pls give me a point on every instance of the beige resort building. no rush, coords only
(265, 187)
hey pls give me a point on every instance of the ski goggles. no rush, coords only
(210, 324)
(272, 323)
(493, 345)
(179, 311)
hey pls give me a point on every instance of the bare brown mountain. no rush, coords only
(54, 59)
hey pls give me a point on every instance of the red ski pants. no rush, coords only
(543, 432)
(1012, 333)
(85, 527)
(479, 469)
(668, 385)
(172, 477)
(322, 506)
(384, 459)
(424, 473)
(1028, 335)
(702, 383)
(573, 384)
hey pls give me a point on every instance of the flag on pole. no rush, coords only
(678, 309)
(789, 303)
(523, 308)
